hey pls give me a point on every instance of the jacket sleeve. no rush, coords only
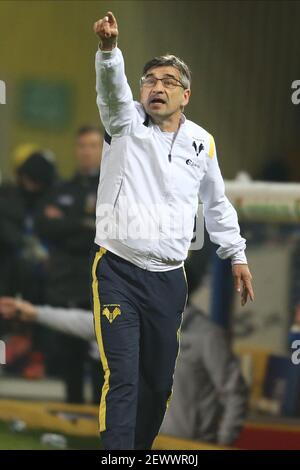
(220, 216)
(224, 370)
(74, 322)
(114, 97)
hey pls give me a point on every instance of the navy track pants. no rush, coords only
(137, 318)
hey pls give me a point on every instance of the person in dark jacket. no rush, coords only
(11, 224)
(68, 223)
(20, 243)
(23, 252)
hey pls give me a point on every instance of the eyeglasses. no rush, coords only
(168, 82)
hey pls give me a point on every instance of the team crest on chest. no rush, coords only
(197, 147)
(111, 311)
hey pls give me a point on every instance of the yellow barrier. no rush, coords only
(79, 420)
(70, 419)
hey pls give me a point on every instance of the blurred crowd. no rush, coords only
(46, 232)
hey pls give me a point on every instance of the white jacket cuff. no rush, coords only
(106, 55)
(239, 258)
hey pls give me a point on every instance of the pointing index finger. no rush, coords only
(110, 17)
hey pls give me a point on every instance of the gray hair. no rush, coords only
(173, 61)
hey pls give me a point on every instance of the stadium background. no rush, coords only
(244, 57)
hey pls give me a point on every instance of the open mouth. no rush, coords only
(157, 101)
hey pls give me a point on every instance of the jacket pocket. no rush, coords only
(118, 194)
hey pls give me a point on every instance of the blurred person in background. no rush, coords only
(70, 321)
(23, 252)
(36, 180)
(68, 224)
(20, 203)
(21, 152)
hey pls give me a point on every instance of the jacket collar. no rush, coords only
(148, 119)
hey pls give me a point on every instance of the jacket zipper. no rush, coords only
(173, 141)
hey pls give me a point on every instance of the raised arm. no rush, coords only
(114, 96)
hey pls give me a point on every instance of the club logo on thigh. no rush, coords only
(111, 311)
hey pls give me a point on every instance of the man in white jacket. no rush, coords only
(155, 166)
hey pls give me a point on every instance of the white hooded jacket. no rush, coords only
(151, 181)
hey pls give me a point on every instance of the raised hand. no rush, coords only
(107, 30)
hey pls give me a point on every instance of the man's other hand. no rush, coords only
(242, 282)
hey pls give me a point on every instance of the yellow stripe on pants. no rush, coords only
(179, 335)
(97, 322)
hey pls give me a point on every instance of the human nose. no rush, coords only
(158, 86)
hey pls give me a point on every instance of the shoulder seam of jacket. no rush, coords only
(108, 137)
